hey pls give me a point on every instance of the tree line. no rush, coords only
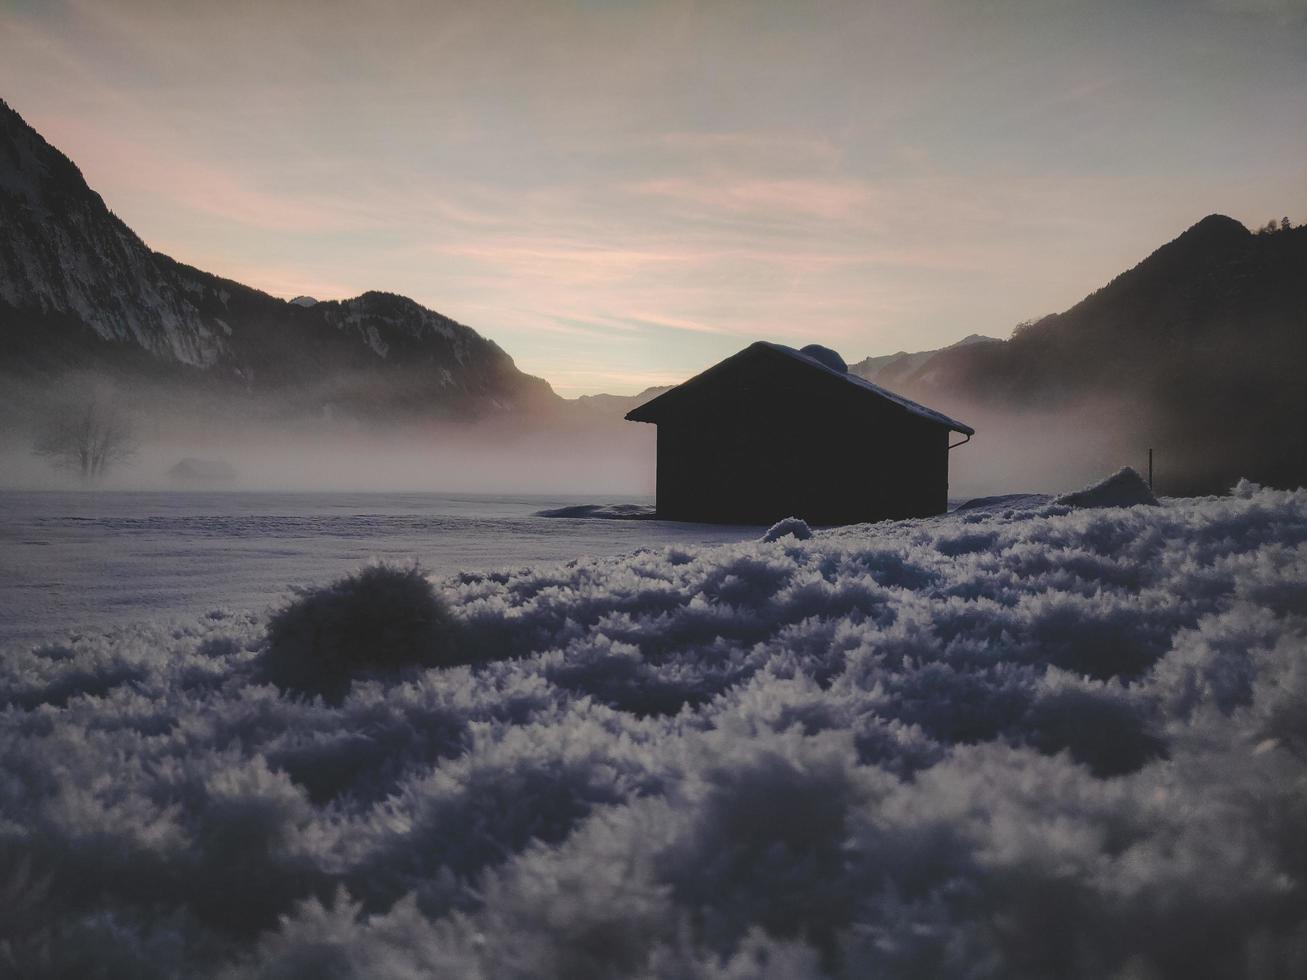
(1272, 226)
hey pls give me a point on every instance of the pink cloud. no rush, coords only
(824, 199)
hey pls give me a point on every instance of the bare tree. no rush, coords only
(88, 437)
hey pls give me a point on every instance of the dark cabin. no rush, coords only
(776, 432)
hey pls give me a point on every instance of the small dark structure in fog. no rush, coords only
(199, 471)
(773, 432)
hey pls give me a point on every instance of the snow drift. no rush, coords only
(1124, 488)
(1029, 742)
(792, 526)
(610, 512)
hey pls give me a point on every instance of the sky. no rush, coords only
(622, 193)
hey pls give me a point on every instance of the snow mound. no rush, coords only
(305, 301)
(792, 526)
(825, 356)
(608, 512)
(1124, 488)
(1046, 742)
(1005, 501)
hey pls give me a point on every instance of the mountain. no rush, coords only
(1198, 352)
(616, 406)
(80, 291)
(888, 370)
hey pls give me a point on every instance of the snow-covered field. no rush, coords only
(1031, 742)
(78, 561)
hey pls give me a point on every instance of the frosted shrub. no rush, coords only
(381, 620)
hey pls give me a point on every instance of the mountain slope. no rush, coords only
(889, 370)
(1198, 351)
(79, 290)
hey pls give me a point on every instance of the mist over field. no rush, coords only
(1044, 451)
(453, 461)
(267, 446)
(576, 449)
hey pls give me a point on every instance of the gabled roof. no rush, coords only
(823, 361)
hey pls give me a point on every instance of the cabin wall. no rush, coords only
(762, 436)
(751, 462)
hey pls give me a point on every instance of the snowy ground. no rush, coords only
(84, 561)
(1009, 742)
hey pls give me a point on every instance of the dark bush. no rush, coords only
(381, 620)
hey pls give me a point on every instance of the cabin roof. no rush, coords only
(653, 409)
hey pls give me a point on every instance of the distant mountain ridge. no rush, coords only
(615, 406)
(1199, 350)
(891, 369)
(79, 290)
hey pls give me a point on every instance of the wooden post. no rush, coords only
(1150, 469)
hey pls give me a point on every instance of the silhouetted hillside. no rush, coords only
(891, 370)
(80, 292)
(1198, 352)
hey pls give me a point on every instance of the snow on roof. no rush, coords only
(824, 364)
(822, 359)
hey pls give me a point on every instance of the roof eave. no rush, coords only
(653, 409)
